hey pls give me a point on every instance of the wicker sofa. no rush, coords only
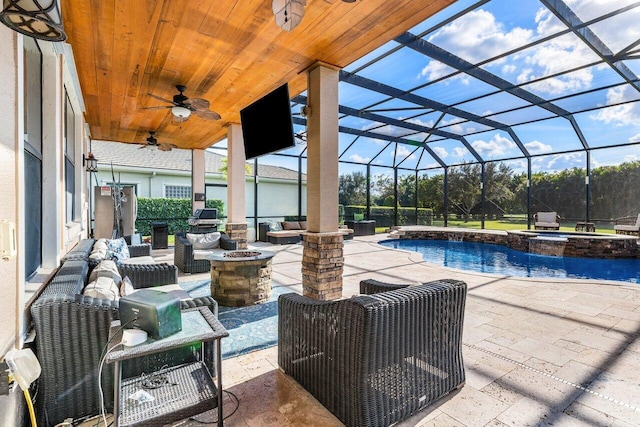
(628, 225)
(72, 331)
(188, 260)
(289, 232)
(373, 360)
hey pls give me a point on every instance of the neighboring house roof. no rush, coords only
(130, 155)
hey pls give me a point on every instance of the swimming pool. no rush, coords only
(498, 259)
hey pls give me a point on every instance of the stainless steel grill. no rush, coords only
(204, 220)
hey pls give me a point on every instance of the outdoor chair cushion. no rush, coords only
(204, 240)
(103, 287)
(547, 217)
(291, 225)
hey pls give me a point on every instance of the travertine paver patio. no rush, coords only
(537, 352)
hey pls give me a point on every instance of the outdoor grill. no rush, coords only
(204, 220)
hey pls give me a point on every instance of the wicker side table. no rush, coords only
(190, 390)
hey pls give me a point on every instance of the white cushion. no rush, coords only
(205, 240)
(626, 227)
(106, 268)
(549, 217)
(103, 287)
(99, 250)
(139, 260)
(126, 287)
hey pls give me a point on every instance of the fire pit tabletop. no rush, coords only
(241, 255)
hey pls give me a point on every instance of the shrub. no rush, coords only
(175, 212)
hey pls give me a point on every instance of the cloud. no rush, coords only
(403, 152)
(477, 36)
(537, 147)
(508, 69)
(435, 69)
(459, 152)
(565, 161)
(631, 158)
(635, 138)
(441, 152)
(496, 146)
(359, 159)
(619, 115)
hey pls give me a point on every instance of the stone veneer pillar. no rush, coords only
(237, 231)
(322, 265)
(322, 256)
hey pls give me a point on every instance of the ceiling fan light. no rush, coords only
(288, 13)
(40, 19)
(181, 112)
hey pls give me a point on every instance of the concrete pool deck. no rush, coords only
(536, 352)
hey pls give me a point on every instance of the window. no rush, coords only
(177, 192)
(32, 155)
(69, 153)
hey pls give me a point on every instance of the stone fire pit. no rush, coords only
(241, 278)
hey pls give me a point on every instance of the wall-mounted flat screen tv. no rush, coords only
(267, 125)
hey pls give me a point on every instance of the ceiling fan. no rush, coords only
(152, 141)
(182, 106)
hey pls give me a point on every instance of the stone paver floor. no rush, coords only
(536, 352)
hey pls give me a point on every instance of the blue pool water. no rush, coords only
(498, 259)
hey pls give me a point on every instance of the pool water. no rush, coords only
(498, 259)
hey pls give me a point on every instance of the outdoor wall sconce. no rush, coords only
(90, 162)
(40, 19)
(288, 13)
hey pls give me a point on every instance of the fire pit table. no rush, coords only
(241, 278)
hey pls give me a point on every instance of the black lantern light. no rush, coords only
(40, 19)
(90, 162)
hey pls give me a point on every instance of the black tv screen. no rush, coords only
(267, 125)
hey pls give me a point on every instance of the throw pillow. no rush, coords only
(303, 225)
(205, 240)
(290, 225)
(117, 249)
(106, 268)
(126, 287)
(274, 226)
(103, 287)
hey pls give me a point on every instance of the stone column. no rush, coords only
(236, 181)
(322, 261)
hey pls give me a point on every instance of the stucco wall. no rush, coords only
(8, 195)
(11, 406)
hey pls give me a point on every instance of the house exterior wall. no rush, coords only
(276, 197)
(58, 235)
(9, 153)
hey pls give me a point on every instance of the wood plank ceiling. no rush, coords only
(229, 52)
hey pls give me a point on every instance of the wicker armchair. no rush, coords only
(546, 221)
(183, 253)
(373, 360)
(628, 225)
(71, 333)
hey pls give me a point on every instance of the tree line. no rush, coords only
(614, 191)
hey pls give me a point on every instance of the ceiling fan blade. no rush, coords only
(165, 146)
(199, 103)
(157, 107)
(207, 114)
(159, 98)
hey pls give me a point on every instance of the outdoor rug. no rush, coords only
(250, 328)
